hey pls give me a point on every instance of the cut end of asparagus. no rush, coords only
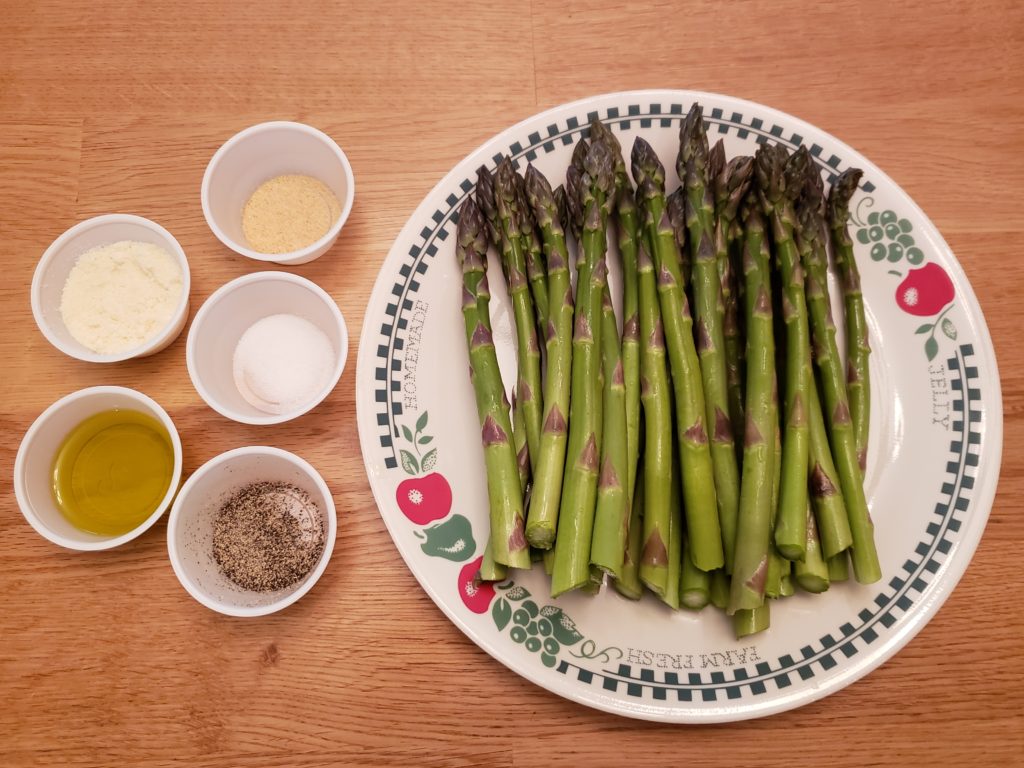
(540, 536)
(813, 583)
(750, 622)
(694, 599)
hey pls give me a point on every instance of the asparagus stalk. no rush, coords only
(485, 202)
(542, 521)
(611, 520)
(754, 523)
(562, 204)
(657, 463)
(700, 499)
(536, 272)
(731, 182)
(628, 584)
(692, 166)
(573, 212)
(839, 568)
(489, 569)
(528, 386)
(507, 541)
(812, 572)
(826, 499)
(674, 571)
(866, 567)
(579, 489)
(519, 443)
(627, 224)
(858, 349)
(675, 205)
(694, 584)
(719, 593)
(780, 179)
(787, 584)
(746, 623)
(778, 569)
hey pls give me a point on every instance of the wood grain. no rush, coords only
(117, 106)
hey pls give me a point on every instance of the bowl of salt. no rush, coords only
(266, 348)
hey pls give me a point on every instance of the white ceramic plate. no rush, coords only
(936, 440)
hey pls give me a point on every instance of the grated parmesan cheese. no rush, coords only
(119, 296)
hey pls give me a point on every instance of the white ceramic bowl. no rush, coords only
(55, 265)
(190, 527)
(262, 152)
(33, 466)
(225, 316)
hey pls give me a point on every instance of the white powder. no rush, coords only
(119, 296)
(282, 362)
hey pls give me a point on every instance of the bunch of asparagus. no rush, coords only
(664, 457)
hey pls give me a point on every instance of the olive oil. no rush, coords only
(112, 471)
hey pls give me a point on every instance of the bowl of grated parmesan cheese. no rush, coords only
(111, 288)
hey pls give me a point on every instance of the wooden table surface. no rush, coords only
(117, 107)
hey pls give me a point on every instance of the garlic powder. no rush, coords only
(288, 213)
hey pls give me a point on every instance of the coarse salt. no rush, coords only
(282, 362)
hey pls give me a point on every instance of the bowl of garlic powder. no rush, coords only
(278, 192)
(111, 288)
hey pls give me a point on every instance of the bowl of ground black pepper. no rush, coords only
(278, 191)
(251, 531)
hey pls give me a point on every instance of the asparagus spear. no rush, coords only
(536, 272)
(519, 443)
(579, 488)
(485, 202)
(674, 570)
(508, 544)
(731, 182)
(628, 226)
(694, 584)
(787, 584)
(753, 529)
(490, 570)
(692, 166)
(812, 572)
(857, 348)
(719, 592)
(778, 570)
(844, 445)
(573, 212)
(839, 568)
(780, 179)
(745, 623)
(542, 521)
(528, 386)
(675, 205)
(826, 499)
(700, 498)
(628, 584)
(611, 520)
(657, 463)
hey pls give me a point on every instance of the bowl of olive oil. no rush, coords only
(98, 468)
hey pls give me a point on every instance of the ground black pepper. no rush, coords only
(267, 536)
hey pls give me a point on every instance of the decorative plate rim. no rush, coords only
(923, 611)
